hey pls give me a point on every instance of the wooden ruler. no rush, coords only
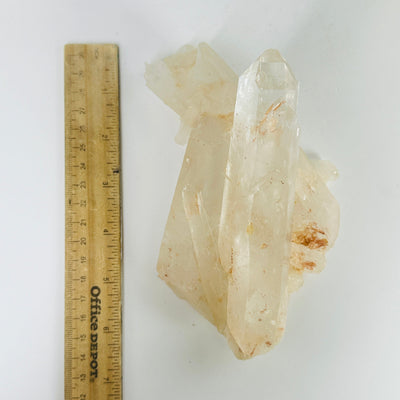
(92, 224)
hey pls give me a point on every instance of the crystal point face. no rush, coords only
(250, 213)
(274, 74)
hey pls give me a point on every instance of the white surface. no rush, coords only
(342, 338)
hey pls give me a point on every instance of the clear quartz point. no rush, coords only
(256, 214)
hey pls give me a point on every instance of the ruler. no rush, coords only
(92, 223)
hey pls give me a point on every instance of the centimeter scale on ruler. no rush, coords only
(92, 223)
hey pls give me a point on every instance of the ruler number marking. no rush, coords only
(91, 89)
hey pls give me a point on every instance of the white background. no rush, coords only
(342, 338)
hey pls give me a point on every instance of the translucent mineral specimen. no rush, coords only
(256, 214)
(196, 85)
(232, 246)
(315, 219)
(193, 82)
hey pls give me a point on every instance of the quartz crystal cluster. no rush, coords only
(251, 213)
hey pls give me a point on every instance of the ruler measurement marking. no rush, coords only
(88, 108)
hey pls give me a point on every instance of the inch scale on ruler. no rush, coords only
(92, 224)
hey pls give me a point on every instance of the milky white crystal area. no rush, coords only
(247, 217)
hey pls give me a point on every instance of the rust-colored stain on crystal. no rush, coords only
(278, 105)
(310, 265)
(296, 267)
(273, 128)
(226, 117)
(310, 237)
(252, 352)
